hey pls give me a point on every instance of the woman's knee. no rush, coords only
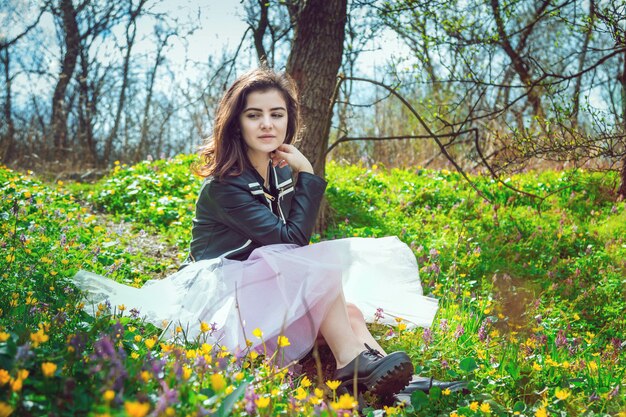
(354, 313)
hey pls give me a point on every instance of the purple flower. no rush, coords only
(434, 253)
(482, 333)
(560, 340)
(134, 313)
(460, 331)
(378, 315)
(443, 325)
(427, 337)
(444, 364)
(167, 398)
(249, 399)
(63, 239)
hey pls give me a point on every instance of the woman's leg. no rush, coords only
(337, 331)
(359, 328)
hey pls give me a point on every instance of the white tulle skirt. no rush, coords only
(280, 289)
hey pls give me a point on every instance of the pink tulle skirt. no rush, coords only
(280, 289)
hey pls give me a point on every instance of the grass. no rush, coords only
(532, 296)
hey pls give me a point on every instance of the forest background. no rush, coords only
(479, 86)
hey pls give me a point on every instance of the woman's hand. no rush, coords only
(290, 155)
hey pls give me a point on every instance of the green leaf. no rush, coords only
(435, 393)
(453, 374)
(419, 399)
(8, 351)
(227, 405)
(468, 365)
(519, 407)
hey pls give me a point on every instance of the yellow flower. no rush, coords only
(134, 355)
(562, 394)
(145, 375)
(283, 341)
(536, 366)
(204, 327)
(446, 392)
(485, 408)
(239, 376)
(136, 409)
(345, 402)
(391, 411)
(5, 409)
(178, 329)
(38, 337)
(541, 412)
(474, 406)
(262, 402)
(121, 307)
(593, 366)
(16, 385)
(318, 393)
(301, 394)
(48, 369)
(333, 385)
(137, 338)
(108, 395)
(454, 414)
(257, 333)
(22, 374)
(4, 377)
(4, 336)
(305, 382)
(186, 372)
(170, 412)
(218, 383)
(150, 343)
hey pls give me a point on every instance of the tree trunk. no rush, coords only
(146, 111)
(72, 43)
(8, 144)
(258, 31)
(581, 62)
(314, 60)
(622, 188)
(131, 32)
(85, 112)
(521, 67)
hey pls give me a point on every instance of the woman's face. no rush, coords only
(263, 122)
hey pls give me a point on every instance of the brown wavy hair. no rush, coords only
(224, 152)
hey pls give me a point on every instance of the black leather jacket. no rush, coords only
(236, 214)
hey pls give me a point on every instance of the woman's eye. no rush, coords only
(252, 116)
(277, 115)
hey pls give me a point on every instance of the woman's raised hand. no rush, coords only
(290, 155)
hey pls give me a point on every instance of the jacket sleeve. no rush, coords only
(240, 210)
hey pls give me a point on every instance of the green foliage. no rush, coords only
(531, 295)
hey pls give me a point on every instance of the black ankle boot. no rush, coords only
(378, 374)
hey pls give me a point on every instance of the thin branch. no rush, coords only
(424, 125)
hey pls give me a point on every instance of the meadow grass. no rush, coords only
(531, 293)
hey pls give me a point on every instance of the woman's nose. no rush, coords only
(266, 121)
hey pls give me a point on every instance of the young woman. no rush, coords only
(251, 266)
